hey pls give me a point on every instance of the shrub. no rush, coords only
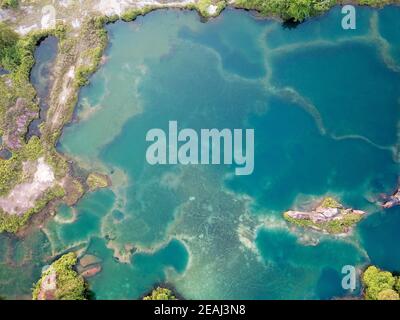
(388, 294)
(5, 4)
(376, 281)
(161, 294)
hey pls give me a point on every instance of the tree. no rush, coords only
(376, 281)
(161, 294)
(388, 294)
(8, 4)
(397, 285)
(69, 284)
(9, 57)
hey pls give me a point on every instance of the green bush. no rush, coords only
(297, 10)
(9, 57)
(377, 281)
(388, 294)
(330, 202)
(70, 285)
(332, 226)
(4, 4)
(161, 294)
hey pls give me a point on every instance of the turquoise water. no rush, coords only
(324, 104)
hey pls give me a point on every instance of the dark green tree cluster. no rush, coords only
(380, 285)
(17, 53)
(9, 57)
(297, 10)
(161, 294)
(5, 4)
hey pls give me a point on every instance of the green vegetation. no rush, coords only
(11, 172)
(297, 10)
(8, 47)
(332, 226)
(375, 3)
(132, 14)
(17, 53)
(330, 202)
(69, 285)
(97, 181)
(93, 29)
(341, 222)
(161, 294)
(380, 285)
(388, 294)
(203, 6)
(17, 96)
(5, 4)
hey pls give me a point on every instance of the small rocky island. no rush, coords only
(392, 201)
(329, 216)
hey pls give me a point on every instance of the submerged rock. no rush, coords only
(392, 201)
(88, 260)
(92, 271)
(329, 216)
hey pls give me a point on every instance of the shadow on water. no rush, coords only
(41, 78)
(5, 154)
(290, 24)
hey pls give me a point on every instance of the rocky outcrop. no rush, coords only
(89, 266)
(392, 201)
(329, 216)
(17, 119)
(91, 272)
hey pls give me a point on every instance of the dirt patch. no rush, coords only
(24, 196)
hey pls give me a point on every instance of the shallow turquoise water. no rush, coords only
(324, 104)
